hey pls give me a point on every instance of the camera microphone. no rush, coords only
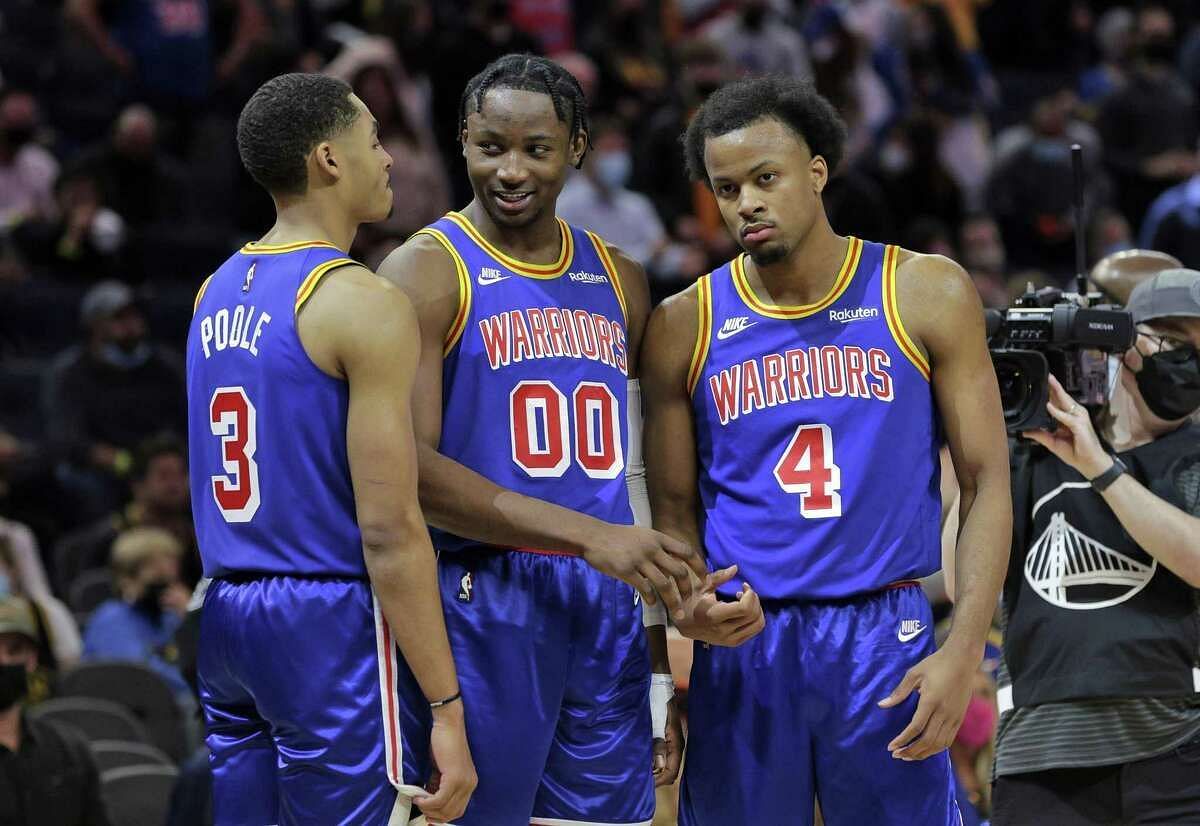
(1081, 284)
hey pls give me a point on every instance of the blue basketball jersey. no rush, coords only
(817, 435)
(534, 377)
(270, 478)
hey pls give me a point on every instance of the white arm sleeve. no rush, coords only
(635, 481)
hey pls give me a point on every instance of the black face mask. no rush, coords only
(753, 17)
(1159, 49)
(14, 684)
(1170, 383)
(150, 602)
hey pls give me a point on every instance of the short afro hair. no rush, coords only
(529, 73)
(794, 103)
(283, 121)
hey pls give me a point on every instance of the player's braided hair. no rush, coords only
(529, 73)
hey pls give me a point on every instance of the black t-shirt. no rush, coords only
(50, 779)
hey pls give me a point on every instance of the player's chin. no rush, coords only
(771, 252)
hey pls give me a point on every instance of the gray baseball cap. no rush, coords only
(1173, 293)
(16, 617)
(105, 300)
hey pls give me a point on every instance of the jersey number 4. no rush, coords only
(807, 468)
(231, 416)
(540, 425)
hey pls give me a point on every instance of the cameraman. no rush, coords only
(1100, 720)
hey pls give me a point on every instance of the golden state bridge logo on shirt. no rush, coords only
(801, 374)
(553, 332)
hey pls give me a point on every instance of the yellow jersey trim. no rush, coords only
(565, 254)
(614, 277)
(844, 277)
(703, 331)
(310, 282)
(464, 289)
(891, 310)
(200, 294)
(254, 248)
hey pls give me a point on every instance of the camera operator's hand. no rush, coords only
(1075, 442)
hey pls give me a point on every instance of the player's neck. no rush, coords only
(807, 274)
(537, 243)
(310, 220)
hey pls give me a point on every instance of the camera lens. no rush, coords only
(1014, 389)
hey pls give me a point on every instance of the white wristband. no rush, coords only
(655, 614)
(662, 689)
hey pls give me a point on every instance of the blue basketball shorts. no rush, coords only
(791, 716)
(312, 714)
(555, 675)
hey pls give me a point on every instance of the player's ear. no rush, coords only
(819, 170)
(580, 142)
(324, 157)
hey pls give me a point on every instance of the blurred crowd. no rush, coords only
(120, 190)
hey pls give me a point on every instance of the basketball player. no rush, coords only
(796, 400)
(300, 363)
(526, 427)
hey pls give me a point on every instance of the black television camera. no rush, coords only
(1049, 332)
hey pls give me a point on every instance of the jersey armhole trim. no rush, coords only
(309, 285)
(200, 293)
(703, 331)
(464, 289)
(891, 310)
(611, 268)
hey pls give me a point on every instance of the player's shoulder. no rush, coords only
(676, 319)
(424, 257)
(925, 276)
(355, 292)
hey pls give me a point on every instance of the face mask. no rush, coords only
(753, 17)
(18, 137)
(1170, 383)
(150, 602)
(613, 169)
(14, 683)
(1049, 151)
(1159, 49)
(117, 356)
(978, 723)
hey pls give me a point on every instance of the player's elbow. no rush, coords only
(392, 536)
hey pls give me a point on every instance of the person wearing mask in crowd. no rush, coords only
(27, 170)
(138, 624)
(1149, 127)
(758, 42)
(61, 634)
(47, 774)
(158, 478)
(104, 397)
(1100, 693)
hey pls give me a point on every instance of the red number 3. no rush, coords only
(232, 418)
(807, 468)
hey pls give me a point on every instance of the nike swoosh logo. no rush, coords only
(912, 635)
(724, 334)
(483, 282)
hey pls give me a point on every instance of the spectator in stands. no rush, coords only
(139, 623)
(1172, 223)
(27, 171)
(627, 43)
(159, 481)
(47, 774)
(79, 242)
(1115, 41)
(912, 176)
(105, 397)
(61, 634)
(135, 176)
(1149, 127)
(373, 69)
(984, 258)
(1030, 190)
(757, 41)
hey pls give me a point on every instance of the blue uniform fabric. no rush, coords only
(312, 716)
(792, 714)
(831, 376)
(551, 655)
(307, 705)
(819, 477)
(555, 673)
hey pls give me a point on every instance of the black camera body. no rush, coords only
(1049, 333)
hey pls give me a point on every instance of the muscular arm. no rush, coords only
(456, 498)
(363, 329)
(941, 308)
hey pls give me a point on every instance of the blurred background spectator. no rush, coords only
(121, 189)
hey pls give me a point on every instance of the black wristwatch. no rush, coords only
(1101, 482)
